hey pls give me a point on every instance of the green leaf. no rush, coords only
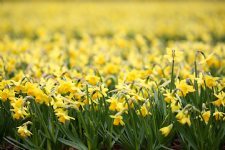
(185, 135)
(142, 135)
(71, 135)
(43, 141)
(100, 145)
(14, 143)
(72, 144)
(44, 135)
(27, 141)
(218, 138)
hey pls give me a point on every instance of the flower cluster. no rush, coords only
(90, 84)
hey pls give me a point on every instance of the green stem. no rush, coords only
(133, 124)
(2, 111)
(196, 85)
(34, 129)
(52, 118)
(139, 108)
(44, 125)
(4, 108)
(80, 128)
(172, 78)
(110, 139)
(85, 129)
(88, 98)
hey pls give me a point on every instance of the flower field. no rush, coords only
(112, 75)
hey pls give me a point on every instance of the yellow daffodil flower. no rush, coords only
(117, 120)
(177, 55)
(166, 130)
(184, 87)
(24, 132)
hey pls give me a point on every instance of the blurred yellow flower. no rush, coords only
(208, 60)
(144, 111)
(92, 79)
(210, 81)
(185, 119)
(175, 106)
(184, 87)
(206, 116)
(218, 114)
(177, 55)
(113, 104)
(170, 97)
(7, 94)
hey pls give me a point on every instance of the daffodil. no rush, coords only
(3, 83)
(138, 97)
(175, 106)
(29, 88)
(186, 119)
(40, 96)
(17, 87)
(210, 81)
(132, 75)
(57, 101)
(206, 116)
(218, 114)
(63, 115)
(96, 92)
(180, 115)
(166, 130)
(117, 120)
(19, 112)
(220, 100)
(177, 55)
(17, 102)
(92, 79)
(208, 60)
(113, 104)
(7, 94)
(64, 86)
(120, 106)
(184, 87)
(200, 80)
(23, 131)
(170, 97)
(144, 111)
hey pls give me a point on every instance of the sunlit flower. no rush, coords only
(218, 114)
(166, 130)
(220, 100)
(175, 106)
(206, 116)
(177, 55)
(210, 81)
(170, 97)
(24, 132)
(208, 60)
(92, 79)
(184, 87)
(6, 93)
(185, 119)
(144, 111)
(113, 104)
(63, 115)
(117, 120)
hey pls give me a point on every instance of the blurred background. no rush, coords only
(166, 20)
(131, 34)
